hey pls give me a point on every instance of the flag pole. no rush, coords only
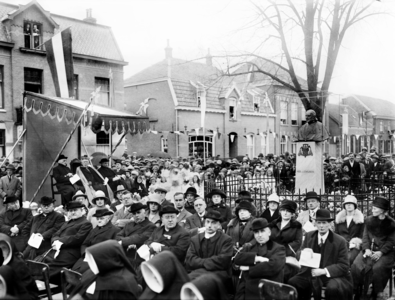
(119, 142)
(65, 143)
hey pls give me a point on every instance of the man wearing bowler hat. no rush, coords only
(259, 259)
(210, 251)
(45, 225)
(62, 174)
(333, 271)
(10, 185)
(312, 201)
(101, 201)
(135, 233)
(170, 236)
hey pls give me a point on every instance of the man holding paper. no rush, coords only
(62, 175)
(331, 271)
(43, 225)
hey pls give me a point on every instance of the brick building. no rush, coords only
(23, 66)
(240, 110)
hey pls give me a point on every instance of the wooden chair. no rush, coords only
(271, 290)
(69, 278)
(54, 188)
(40, 272)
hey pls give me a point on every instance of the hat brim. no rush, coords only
(316, 198)
(141, 207)
(104, 197)
(168, 212)
(76, 196)
(215, 219)
(107, 213)
(211, 194)
(324, 219)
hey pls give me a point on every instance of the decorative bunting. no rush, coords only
(357, 136)
(376, 136)
(154, 132)
(232, 137)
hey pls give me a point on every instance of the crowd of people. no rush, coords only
(151, 229)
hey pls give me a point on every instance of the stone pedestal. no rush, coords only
(309, 167)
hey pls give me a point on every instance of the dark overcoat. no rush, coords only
(225, 211)
(213, 255)
(354, 230)
(290, 236)
(233, 231)
(272, 270)
(46, 226)
(20, 218)
(135, 234)
(270, 218)
(176, 240)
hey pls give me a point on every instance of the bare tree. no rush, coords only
(323, 25)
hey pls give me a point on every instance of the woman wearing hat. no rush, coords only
(377, 255)
(100, 201)
(287, 231)
(349, 223)
(217, 199)
(271, 213)
(153, 209)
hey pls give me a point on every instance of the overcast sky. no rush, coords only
(366, 64)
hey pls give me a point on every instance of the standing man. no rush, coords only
(313, 203)
(10, 185)
(45, 225)
(355, 169)
(62, 173)
(195, 223)
(210, 251)
(180, 206)
(170, 236)
(334, 269)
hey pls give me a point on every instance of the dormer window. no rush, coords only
(33, 35)
(257, 102)
(232, 110)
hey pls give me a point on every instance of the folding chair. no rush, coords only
(40, 272)
(271, 290)
(68, 278)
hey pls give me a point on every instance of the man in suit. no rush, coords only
(45, 225)
(68, 240)
(170, 236)
(376, 174)
(180, 206)
(106, 172)
(135, 233)
(334, 269)
(10, 185)
(62, 173)
(123, 216)
(355, 169)
(195, 223)
(210, 251)
(313, 203)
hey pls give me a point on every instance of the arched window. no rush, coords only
(163, 144)
(284, 112)
(250, 145)
(263, 144)
(283, 145)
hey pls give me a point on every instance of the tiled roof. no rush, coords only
(88, 39)
(180, 70)
(379, 106)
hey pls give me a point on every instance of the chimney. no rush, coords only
(168, 51)
(89, 18)
(209, 59)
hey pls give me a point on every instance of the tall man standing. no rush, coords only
(334, 269)
(10, 185)
(62, 174)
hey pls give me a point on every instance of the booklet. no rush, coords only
(144, 252)
(74, 178)
(309, 259)
(35, 240)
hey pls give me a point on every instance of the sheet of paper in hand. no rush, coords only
(74, 179)
(308, 226)
(144, 252)
(309, 259)
(35, 240)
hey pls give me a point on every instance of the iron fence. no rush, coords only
(331, 198)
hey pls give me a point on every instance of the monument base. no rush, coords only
(309, 167)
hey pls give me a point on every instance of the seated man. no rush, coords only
(69, 238)
(135, 233)
(61, 174)
(183, 214)
(313, 203)
(210, 251)
(195, 223)
(104, 231)
(45, 225)
(162, 193)
(170, 236)
(334, 269)
(259, 259)
(123, 216)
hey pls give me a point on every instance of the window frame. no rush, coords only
(2, 86)
(233, 110)
(283, 144)
(32, 83)
(250, 141)
(76, 86)
(303, 115)
(256, 101)
(3, 138)
(199, 139)
(294, 113)
(100, 139)
(102, 91)
(283, 112)
(39, 45)
(164, 144)
(263, 144)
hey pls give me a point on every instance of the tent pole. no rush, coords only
(64, 145)
(13, 147)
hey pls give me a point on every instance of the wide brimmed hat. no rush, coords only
(273, 198)
(323, 215)
(312, 195)
(160, 189)
(191, 191)
(168, 209)
(136, 207)
(154, 198)
(102, 212)
(61, 156)
(74, 204)
(289, 205)
(103, 160)
(216, 192)
(9, 199)
(350, 199)
(214, 215)
(244, 204)
(120, 188)
(259, 223)
(381, 202)
(10, 167)
(100, 195)
(79, 194)
(46, 200)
